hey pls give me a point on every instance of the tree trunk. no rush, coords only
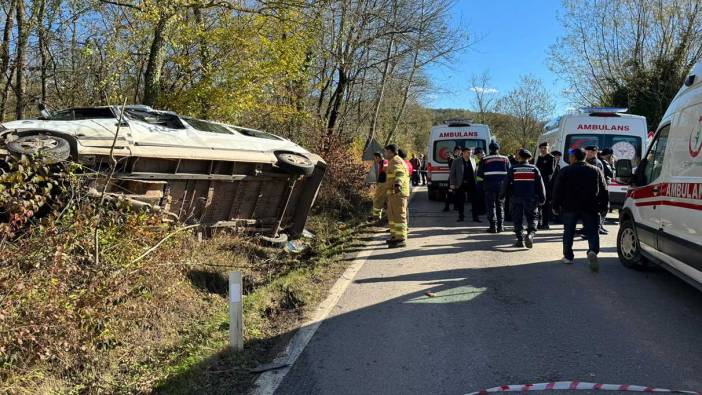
(335, 106)
(405, 97)
(5, 58)
(41, 36)
(379, 97)
(6, 92)
(19, 73)
(203, 100)
(157, 55)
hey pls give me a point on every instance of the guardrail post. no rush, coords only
(236, 318)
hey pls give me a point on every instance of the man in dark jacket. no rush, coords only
(605, 158)
(580, 192)
(526, 187)
(557, 155)
(462, 182)
(450, 197)
(592, 157)
(478, 155)
(546, 164)
(493, 169)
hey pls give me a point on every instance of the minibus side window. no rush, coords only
(654, 159)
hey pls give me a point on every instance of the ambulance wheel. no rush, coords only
(629, 247)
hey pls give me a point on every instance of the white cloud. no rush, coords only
(487, 91)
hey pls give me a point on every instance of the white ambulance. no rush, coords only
(661, 221)
(625, 134)
(442, 141)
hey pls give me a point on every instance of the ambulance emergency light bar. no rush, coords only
(603, 110)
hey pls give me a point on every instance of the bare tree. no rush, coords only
(529, 104)
(484, 96)
(631, 53)
(431, 42)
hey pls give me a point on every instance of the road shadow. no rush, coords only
(456, 331)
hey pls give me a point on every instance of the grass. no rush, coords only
(271, 314)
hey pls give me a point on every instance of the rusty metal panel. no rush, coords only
(272, 198)
(248, 199)
(221, 203)
(154, 165)
(194, 166)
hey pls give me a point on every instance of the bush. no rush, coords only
(67, 321)
(343, 192)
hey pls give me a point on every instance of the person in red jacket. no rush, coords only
(403, 155)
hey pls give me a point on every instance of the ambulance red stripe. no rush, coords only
(673, 203)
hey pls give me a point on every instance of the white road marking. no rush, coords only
(268, 382)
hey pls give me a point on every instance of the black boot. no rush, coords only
(397, 244)
(500, 228)
(519, 243)
(492, 228)
(529, 242)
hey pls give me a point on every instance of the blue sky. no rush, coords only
(513, 39)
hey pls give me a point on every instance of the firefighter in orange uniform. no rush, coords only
(398, 194)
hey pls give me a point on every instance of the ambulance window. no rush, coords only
(444, 148)
(656, 155)
(579, 141)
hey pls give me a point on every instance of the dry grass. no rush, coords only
(69, 324)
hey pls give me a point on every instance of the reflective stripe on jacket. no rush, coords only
(398, 174)
(524, 182)
(493, 170)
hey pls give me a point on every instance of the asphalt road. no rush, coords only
(500, 316)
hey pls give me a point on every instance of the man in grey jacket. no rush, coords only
(462, 182)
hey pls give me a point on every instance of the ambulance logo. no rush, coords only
(695, 143)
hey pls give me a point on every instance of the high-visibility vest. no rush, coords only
(398, 174)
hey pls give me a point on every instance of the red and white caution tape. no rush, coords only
(578, 386)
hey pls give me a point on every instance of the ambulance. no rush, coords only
(604, 127)
(442, 141)
(661, 221)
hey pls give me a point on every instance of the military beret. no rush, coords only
(524, 153)
(591, 148)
